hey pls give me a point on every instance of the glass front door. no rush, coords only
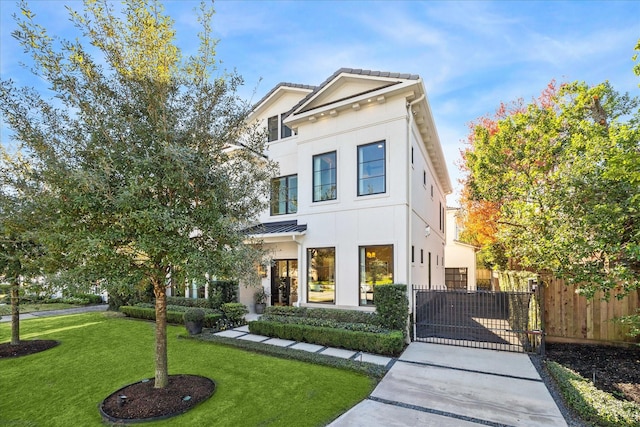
(284, 282)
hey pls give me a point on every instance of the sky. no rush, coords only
(471, 55)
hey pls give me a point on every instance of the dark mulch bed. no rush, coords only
(25, 348)
(145, 402)
(617, 369)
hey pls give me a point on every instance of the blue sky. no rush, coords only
(471, 55)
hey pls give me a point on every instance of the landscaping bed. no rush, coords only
(25, 348)
(617, 369)
(601, 384)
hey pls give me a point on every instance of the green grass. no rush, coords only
(100, 353)
(594, 406)
(5, 310)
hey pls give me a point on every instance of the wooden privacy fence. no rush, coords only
(570, 317)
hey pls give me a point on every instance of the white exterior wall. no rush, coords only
(457, 254)
(351, 221)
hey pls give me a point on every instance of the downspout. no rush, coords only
(297, 303)
(410, 206)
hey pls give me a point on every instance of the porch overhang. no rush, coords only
(278, 231)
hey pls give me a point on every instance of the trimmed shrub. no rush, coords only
(328, 323)
(188, 302)
(234, 312)
(390, 344)
(173, 317)
(194, 315)
(593, 405)
(346, 316)
(392, 306)
(222, 292)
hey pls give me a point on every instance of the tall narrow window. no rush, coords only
(376, 268)
(321, 275)
(429, 267)
(272, 125)
(424, 178)
(285, 131)
(421, 256)
(324, 177)
(284, 195)
(371, 169)
(413, 254)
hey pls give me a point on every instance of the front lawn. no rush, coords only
(100, 353)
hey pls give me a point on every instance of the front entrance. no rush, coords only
(284, 282)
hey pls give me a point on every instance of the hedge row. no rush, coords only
(390, 344)
(176, 308)
(188, 302)
(345, 316)
(175, 317)
(328, 323)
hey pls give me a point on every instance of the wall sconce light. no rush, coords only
(427, 231)
(262, 270)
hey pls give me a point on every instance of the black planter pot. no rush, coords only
(260, 306)
(194, 328)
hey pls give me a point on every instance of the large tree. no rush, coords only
(148, 165)
(20, 253)
(564, 172)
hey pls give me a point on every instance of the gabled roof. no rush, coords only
(281, 85)
(388, 78)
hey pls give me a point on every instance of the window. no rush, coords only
(411, 155)
(455, 278)
(324, 177)
(284, 195)
(285, 131)
(272, 125)
(371, 169)
(441, 222)
(424, 178)
(431, 190)
(376, 268)
(421, 256)
(321, 275)
(413, 254)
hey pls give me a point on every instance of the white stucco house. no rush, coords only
(460, 258)
(360, 199)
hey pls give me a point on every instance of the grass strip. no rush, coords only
(591, 404)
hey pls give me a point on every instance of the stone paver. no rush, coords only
(254, 338)
(373, 358)
(230, 334)
(338, 352)
(311, 348)
(280, 342)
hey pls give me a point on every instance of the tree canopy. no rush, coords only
(146, 163)
(562, 175)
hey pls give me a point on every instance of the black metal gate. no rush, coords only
(509, 321)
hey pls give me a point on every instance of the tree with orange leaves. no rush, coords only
(554, 185)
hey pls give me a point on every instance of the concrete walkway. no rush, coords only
(64, 312)
(437, 385)
(242, 333)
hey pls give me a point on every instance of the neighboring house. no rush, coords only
(360, 199)
(460, 258)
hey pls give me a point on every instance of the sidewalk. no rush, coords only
(64, 312)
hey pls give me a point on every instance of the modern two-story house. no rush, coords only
(360, 199)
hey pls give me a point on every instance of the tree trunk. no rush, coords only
(162, 371)
(15, 312)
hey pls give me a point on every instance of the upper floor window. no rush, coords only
(276, 127)
(324, 177)
(371, 168)
(284, 195)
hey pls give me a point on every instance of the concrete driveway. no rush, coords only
(438, 385)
